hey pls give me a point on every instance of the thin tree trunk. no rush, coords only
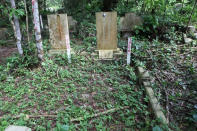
(27, 22)
(13, 26)
(17, 29)
(191, 15)
(37, 29)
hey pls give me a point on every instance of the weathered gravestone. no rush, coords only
(59, 33)
(106, 26)
(128, 22)
(72, 24)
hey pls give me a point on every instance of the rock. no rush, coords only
(85, 96)
(195, 36)
(188, 40)
(128, 22)
(143, 74)
(178, 6)
(72, 24)
(191, 29)
(84, 53)
(3, 33)
(126, 35)
(17, 128)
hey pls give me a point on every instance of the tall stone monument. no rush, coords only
(59, 33)
(106, 27)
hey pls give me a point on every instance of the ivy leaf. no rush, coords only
(157, 128)
(64, 127)
(195, 117)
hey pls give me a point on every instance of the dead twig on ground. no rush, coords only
(101, 113)
(74, 119)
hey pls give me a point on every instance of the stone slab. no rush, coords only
(60, 51)
(72, 24)
(144, 75)
(106, 27)
(155, 105)
(17, 128)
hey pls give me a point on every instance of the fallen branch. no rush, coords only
(99, 114)
(74, 119)
(31, 116)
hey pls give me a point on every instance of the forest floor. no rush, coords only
(6, 52)
(102, 95)
(174, 69)
(85, 95)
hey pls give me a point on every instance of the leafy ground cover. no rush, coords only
(173, 67)
(56, 93)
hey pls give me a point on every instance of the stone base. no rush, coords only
(105, 54)
(108, 54)
(59, 51)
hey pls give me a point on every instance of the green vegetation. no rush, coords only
(52, 93)
(70, 91)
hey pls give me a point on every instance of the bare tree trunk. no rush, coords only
(27, 22)
(37, 29)
(17, 29)
(13, 26)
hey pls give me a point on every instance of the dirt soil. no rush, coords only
(6, 52)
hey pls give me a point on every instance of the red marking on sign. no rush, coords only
(129, 45)
(33, 2)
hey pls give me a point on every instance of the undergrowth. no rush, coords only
(69, 91)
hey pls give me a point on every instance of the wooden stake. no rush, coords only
(129, 51)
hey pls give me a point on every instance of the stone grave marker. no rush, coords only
(106, 26)
(72, 24)
(59, 33)
(128, 22)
